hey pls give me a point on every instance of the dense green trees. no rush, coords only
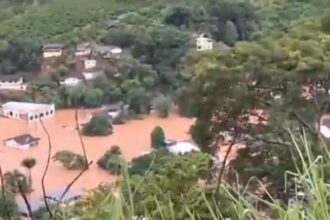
(19, 55)
(267, 74)
(97, 126)
(171, 186)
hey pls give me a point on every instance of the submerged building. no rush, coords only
(27, 111)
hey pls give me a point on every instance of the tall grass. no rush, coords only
(105, 204)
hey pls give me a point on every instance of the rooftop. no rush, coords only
(25, 106)
(10, 77)
(23, 139)
(52, 46)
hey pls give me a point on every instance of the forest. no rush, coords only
(269, 55)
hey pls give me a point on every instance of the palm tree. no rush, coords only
(29, 163)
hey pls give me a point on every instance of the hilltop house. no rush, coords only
(106, 51)
(12, 82)
(203, 43)
(27, 111)
(52, 50)
(84, 49)
(73, 80)
(24, 141)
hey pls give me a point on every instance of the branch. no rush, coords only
(74, 180)
(81, 139)
(273, 142)
(304, 123)
(3, 190)
(26, 201)
(46, 170)
(225, 161)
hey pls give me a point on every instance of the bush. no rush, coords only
(70, 160)
(12, 179)
(111, 161)
(10, 205)
(157, 138)
(162, 106)
(98, 126)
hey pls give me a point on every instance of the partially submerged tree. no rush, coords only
(29, 163)
(99, 125)
(162, 106)
(12, 179)
(70, 160)
(157, 137)
(112, 161)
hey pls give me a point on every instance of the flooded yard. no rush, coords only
(133, 137)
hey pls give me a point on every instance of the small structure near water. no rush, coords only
(180, 147)
(24, 141)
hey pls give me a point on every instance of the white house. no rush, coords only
(52, 50)
(203, 43)
(91, 75)
(182, 147)
(24, 141)
(71, 81)
(27, 111)
(12, 83)
(83, 49)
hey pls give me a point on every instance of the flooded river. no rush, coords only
(133, 138)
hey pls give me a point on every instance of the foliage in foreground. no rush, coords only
(172, 188)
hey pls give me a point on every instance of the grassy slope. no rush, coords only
(59, 17)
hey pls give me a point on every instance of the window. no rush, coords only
(31, 118)
(41, 115)
(51, 111)
(46, 113)
(11, 113)
(36, 116)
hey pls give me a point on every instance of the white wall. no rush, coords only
(12, 143)
(55, 53)
(32, 115)
(85, 52)
(70, 81)
(88, 64)
(204, 43)
(13, 87)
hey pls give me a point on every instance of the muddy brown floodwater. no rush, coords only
(133, 137)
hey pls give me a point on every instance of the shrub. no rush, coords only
(70, 160)
(98, 126)
(112, 161)
(157, 138)
(12, 179)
